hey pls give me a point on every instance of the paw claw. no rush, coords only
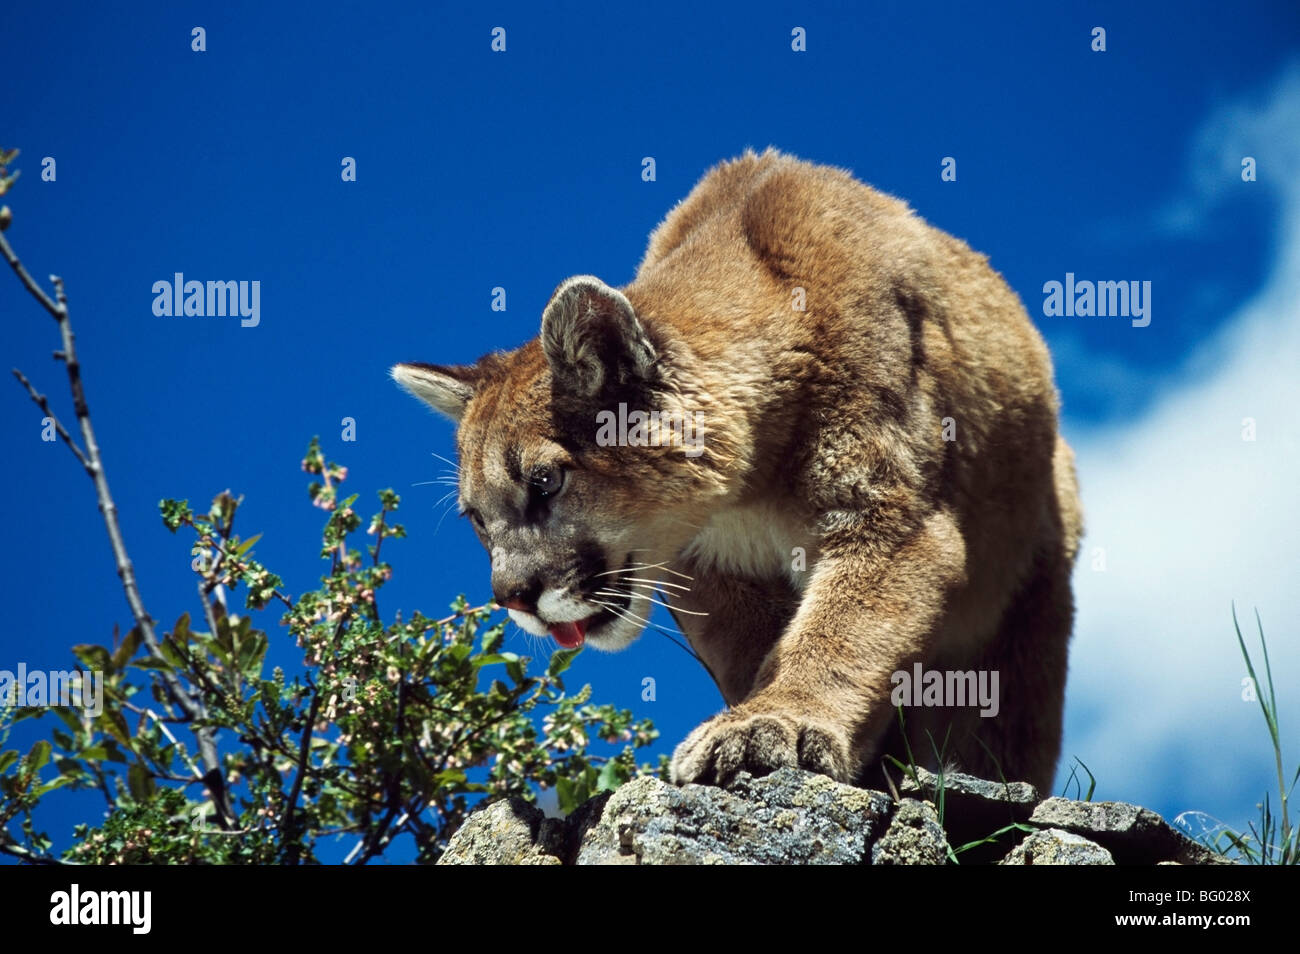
(731, 743)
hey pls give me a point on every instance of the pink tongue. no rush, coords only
(569, 635)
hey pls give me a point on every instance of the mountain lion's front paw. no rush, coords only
(736, 742)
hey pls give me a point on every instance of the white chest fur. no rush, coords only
(758, 541)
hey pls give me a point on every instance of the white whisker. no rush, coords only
(646, 566)
(636, 579)
(454, 466)
(445, 510)
(643, 596)
(626, 615)
(666, 633)
(638, 589)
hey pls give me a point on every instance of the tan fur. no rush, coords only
(822, 435)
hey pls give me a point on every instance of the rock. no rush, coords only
(974, 809)
(1133, 835)
(1010, 800)
(788, 817)
(1054, 846)
(795, 817)
(508, 832)
(913, 837)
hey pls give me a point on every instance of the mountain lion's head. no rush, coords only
(585, 464)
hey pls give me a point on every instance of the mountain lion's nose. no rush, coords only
(516, 597)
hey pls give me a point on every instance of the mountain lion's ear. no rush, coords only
(445, 389)
(593, 339)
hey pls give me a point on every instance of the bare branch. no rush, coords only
(192, 706)
(304, 755)
(43, 403)
(28, 282)
(162, 724)
(31, 857)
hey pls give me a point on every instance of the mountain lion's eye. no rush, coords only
(546, 480)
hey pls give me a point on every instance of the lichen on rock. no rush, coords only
(796, 817)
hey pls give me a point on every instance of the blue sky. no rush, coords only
(478, 169)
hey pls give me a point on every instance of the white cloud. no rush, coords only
(1191, 518)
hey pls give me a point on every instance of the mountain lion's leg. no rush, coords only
(1031, 653)
(822, 696)
(1022, 742)
(745, 619)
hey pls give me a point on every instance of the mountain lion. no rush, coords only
(824, 434)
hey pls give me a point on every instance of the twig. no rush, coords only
(381, 837)
(29, 283)
(225, 554)
(18, 851)
(304, 754)
(110, 793)
(194, 708)
(210, 614)
(43, 403)
(162, 724)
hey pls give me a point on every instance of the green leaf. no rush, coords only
(114, 723)
(174, 513)
(139, 782)
(129, 645)
(565, 793)
(247, 545)
(581, 790)
(251, 654)
(224, 642)
(171, 653)
(612, 775)
(181, 631)
(492, 659)
(69, 718)
(7, 758)
(39, 755)
(561, 659)
(57, 782)
(96, 657)
(493, 638)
